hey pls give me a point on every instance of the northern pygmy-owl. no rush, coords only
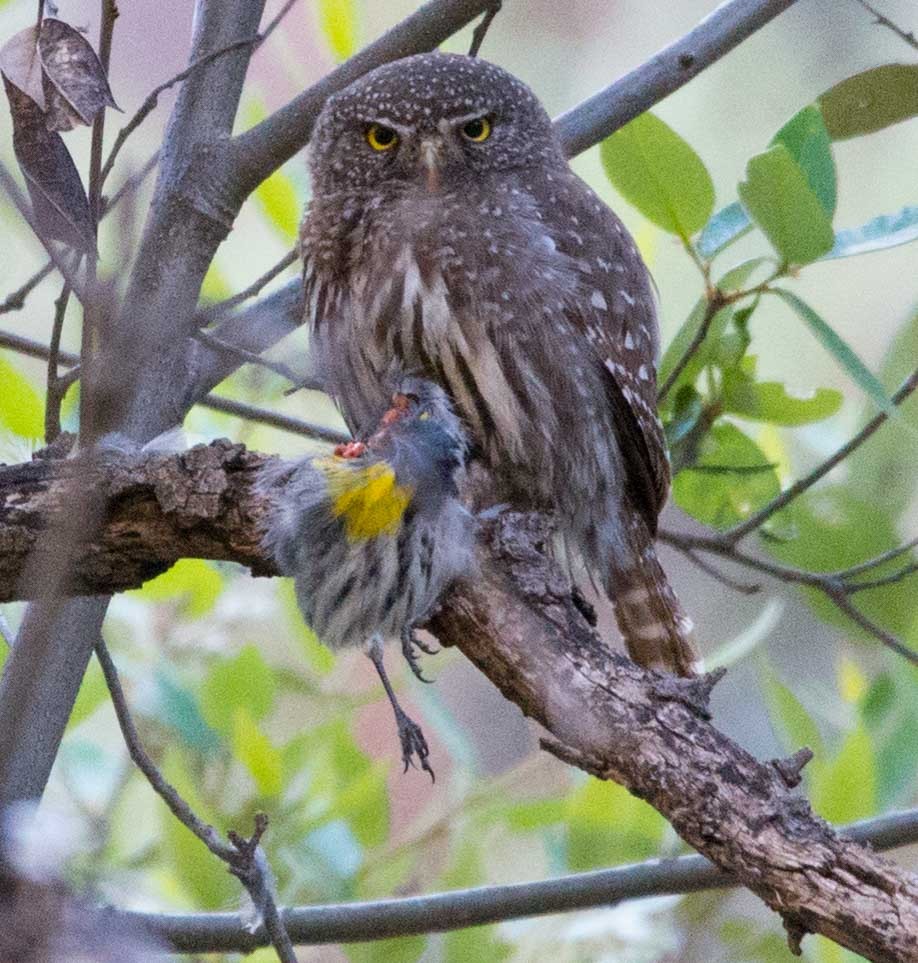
(447, 233)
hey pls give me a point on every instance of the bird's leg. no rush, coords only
(409, 732)
(410, 642)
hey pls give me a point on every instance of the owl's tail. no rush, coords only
(655, 627)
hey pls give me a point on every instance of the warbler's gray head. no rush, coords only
(420, 433)
(435, 120)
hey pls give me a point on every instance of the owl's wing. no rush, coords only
(616, 313)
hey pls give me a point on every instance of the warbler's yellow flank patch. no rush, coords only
(369, 499)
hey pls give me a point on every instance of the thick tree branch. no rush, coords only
(518, 623)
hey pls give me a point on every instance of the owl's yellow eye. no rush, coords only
(381, 138)
(477, 130)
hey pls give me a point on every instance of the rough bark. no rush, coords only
(516, 620)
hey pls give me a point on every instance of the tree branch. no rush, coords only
(603, 113)
(347, 922)
(882, 21)
(836, 586)
(244, 857)
(518, 622)
(733, 535)
(229, 406)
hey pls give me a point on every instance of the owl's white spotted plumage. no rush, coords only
(486, 264)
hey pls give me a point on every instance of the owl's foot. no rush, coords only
(410, 642)
(409, 732)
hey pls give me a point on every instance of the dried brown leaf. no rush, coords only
(80, 87)
(59, 201)
(21, 64)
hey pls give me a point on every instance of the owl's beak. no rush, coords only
(430, 157)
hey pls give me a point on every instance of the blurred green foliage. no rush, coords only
(245, 710)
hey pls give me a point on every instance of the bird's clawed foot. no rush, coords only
(413, 741)
(409, 732)
(410, 642)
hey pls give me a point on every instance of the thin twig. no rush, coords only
(836, 589)
(16, 300)
(240, 409)
(346, 922)
(8, 182)
(54, 394)
(481, 30)
(130, 185)
(744, 588)
(106, 32)
(214, 311)
(243, 856)
(275, 419)
(872, 563)
(894, 577)
(248, 357)
(756, 520)
(152, 99)
(905, 35)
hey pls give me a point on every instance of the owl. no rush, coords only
(448, 234)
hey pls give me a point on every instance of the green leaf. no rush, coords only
(886, 462)
(769, 400)
(840, 350)
(835, 528)
(204, 878)
(870, 101)
(364, 803)
(658, 172)
(403, 949)
(726, 226)
(807, 140)
(338, 19)
(215, 287)
(779, 199)
(897, 760)
(793, 725)
(731, 479)
(93, 692)
(255, 751)
(281, 203)
(21, 409)
(887, 230)
(845, 788)
(527, 815)
(319, 659)
(245, 681)
(192, 580)
(177, 708)
(607, 825)
(734, 279)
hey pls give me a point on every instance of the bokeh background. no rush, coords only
(244, 708)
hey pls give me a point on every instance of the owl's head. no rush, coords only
(434, 120)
